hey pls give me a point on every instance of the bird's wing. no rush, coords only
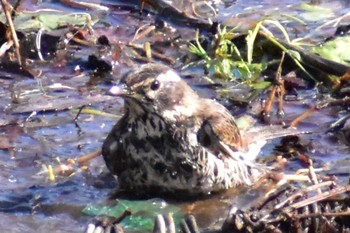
(220, 134)
(227, 132)
(227, 144)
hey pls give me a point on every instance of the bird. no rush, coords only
(171, 140)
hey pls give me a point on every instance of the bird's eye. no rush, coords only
(155, 85)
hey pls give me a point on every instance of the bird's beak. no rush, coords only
(120, 90)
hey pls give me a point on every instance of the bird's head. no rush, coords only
(154, 88)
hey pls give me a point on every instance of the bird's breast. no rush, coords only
(146, 126)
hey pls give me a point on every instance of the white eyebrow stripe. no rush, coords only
(170, 75)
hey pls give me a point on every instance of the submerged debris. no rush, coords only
(323, 207)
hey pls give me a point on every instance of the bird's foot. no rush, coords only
(104, 224)
(162, 224)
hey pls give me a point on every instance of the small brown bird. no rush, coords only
(172, 140)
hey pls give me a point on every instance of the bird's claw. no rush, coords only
(162, 224)
(165, 224)
(104, 224)
(189, 225)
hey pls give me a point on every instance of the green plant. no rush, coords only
(224, 59)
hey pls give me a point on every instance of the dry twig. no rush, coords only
(7, 10)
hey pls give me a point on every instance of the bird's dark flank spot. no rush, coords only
(186, 166)
(160, 125)
(216, 169)
(144, 176)
(160, 167)
(147, 147)
(145, 117)
(157, 144)
(151, 121)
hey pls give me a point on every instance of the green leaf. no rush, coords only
(261, 85)
(198, 49)
(143, 212)
(335, 50)
(279, 26)
(48, 20)
(250, 38)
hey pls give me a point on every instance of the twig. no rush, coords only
(140, 34)
(302, 192)
(147, 49)
(324, 104)
(268, 105)
(6, 8)
(313, 176)
(84, 5)
(5, 46)
(319, 215)
(334, 102)
(280, 85)
(154, 53)
(88, 157)
(68, 168)
(272, 196)
(324, 195)
(302, 117)
(120, 218)
(342, 81)
(72, 37)
(79, 112)
(278, 89)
